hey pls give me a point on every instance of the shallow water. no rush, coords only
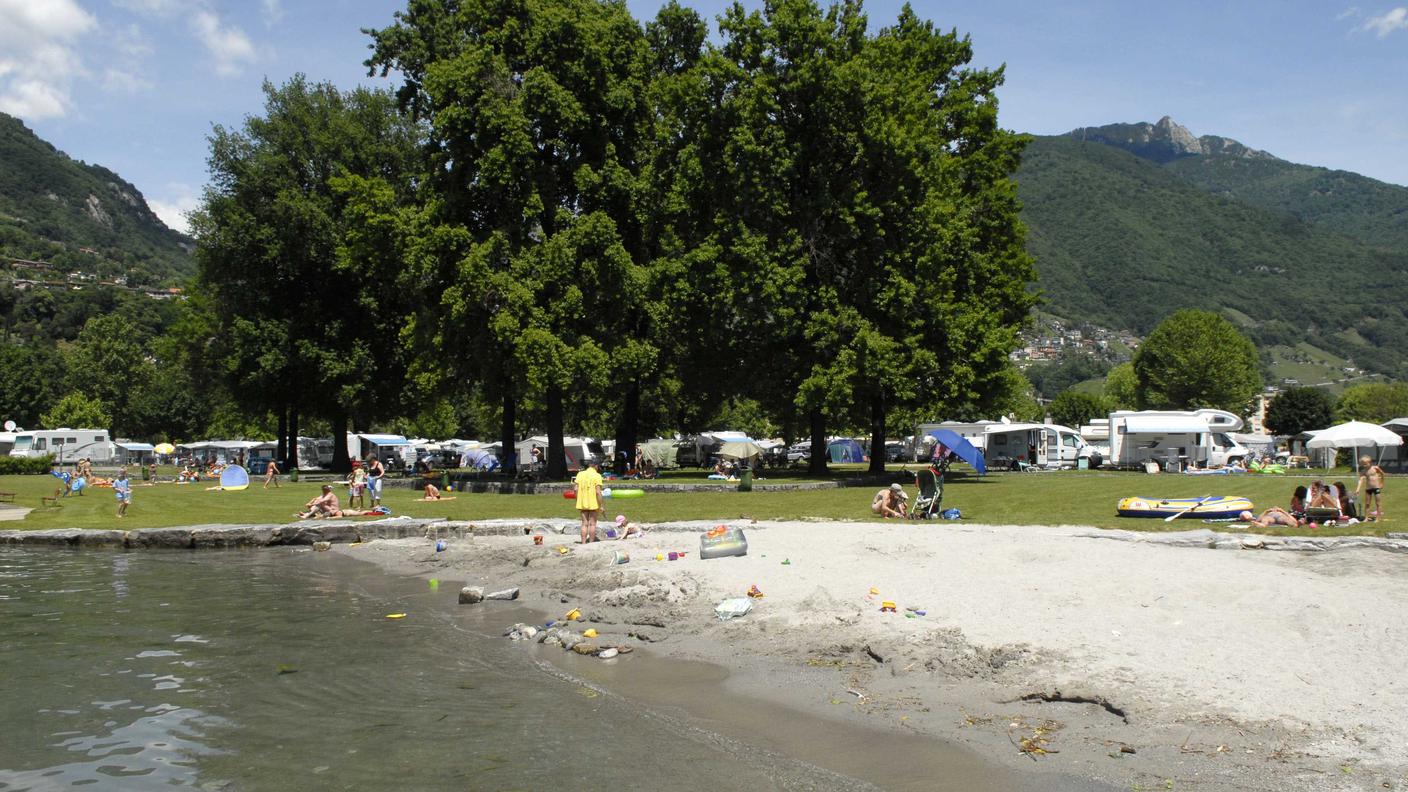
(278, 669)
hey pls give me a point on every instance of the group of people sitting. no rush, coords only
(1324, 503)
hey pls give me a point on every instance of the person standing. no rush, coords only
(375, 470)
(271, 475)
(1371, 481)
(122, 489)
(588, 483)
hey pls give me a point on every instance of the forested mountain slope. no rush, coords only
(1131, 222)
(80, 216)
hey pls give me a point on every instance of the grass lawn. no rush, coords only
(1057, 498)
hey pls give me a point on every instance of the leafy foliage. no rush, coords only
(1374, 402)
(1073, 408)
(1196, 359)
(1122, 386)
(76, 410)
(1053, 377)
(1295, 410)
(22, 466)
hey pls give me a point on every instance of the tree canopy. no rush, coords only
(1196, 359)
(1374, 402)
(1295, 410)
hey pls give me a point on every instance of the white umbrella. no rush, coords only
(746, 449)
(1356, 435)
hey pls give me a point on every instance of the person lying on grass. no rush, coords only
(325, 505)
(1272, 517)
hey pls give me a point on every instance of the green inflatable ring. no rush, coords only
(617, 494)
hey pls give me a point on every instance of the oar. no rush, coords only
(1176, 515)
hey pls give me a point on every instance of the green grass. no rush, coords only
(1057, 498)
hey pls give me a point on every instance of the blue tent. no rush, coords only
(846, 451)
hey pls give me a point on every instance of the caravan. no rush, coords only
(1175, 439)
(65, 445)
(1018, 445)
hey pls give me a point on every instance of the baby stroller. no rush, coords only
(931, 490)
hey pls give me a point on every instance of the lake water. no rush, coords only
(278, 669)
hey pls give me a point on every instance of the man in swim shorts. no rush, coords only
(1371, 481)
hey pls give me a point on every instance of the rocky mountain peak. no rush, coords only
(1165, 141)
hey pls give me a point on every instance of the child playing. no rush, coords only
(122, 488)
(624, 527)
(1371, 481)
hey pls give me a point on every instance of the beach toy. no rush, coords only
(874, 590)
(674, 556)
(440, 546)
(395, 615)
(590, 633)
(787, 562)
(754, 592)
(569, 494)
(621, 558)
(620, 494)
(606, 492)
(434, 584)
(563, 550)
(722, 542)
(887, 606)
(572, 615)
(537, 539)
(79, 483)
(449, 487)
(659, 556)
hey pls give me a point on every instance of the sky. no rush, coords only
(137, 85)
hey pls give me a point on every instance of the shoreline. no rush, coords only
(1222, 670)
(1219, 671)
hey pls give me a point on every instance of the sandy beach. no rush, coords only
(1131, 663)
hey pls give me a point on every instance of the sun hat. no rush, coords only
(1245, 516)
(897, 487)
(620, 519)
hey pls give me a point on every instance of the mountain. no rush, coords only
(81, 217)
(1130, 222)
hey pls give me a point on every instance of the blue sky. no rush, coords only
(136, 85)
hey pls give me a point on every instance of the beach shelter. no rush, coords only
(234, 478)
(845, 451)
(740, 449)
(1356, 435)
(960, 447)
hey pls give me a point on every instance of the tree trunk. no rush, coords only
(281, 452)
(557, 461)
(292, 461)
(877, 431)
(626, 429)
(340, 461)
(509, 454)
(817, 465)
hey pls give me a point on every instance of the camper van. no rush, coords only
(1175, 440)
(1041, 445)
(65, 445)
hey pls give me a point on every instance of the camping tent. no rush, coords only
(740, 449)
(1356, 435)
(845, 451)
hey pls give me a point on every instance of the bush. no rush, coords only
(21, 466)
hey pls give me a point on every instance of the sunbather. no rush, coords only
(1272, 517)
(891, 502)
(325, 505)
(432, 493)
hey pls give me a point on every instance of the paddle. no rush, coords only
(1176, 515)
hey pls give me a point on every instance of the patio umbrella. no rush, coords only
(164, 448)
(961, 448)
(1356, 435)
(740, 449)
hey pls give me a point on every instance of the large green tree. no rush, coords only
(1295, 410)
(1196, 359)
(1073, 408)
(74, 411)
(1374, 402)
(535, 111)
(30, 382)
(307, 321)
(108, 362)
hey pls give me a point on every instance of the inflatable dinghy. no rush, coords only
(1214, 507)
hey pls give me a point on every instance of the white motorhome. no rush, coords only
(1011, 445)
(1175, 439)
(65, 445)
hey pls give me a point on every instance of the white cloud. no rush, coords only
(125, 81)
(1396, 19)
(175, 206)
(273, 12)
(152, 7)
(38, 59)
(1352, 12)
(228, 45)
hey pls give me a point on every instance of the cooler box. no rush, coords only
(723, 542)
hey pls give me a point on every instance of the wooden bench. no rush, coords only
(50, 500)
(7, 497)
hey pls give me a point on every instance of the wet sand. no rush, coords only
(1126, 664)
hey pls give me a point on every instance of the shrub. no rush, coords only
(20, 466)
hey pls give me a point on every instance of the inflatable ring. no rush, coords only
(569, 494)
(627, 493)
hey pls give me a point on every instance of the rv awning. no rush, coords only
(1164, 424)
(386, 440)
(127, 446)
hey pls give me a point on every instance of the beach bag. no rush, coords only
(951, 514)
